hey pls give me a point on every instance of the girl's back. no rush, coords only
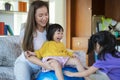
(110, 66)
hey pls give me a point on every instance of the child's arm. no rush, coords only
(84, 73)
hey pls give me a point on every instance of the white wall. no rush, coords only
(57, 10)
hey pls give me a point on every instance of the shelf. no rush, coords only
(118, 38)
(15, 15)
(11, 12)
(80, 43)
(14, 0)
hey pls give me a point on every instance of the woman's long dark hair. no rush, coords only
(31, 25)
(107, 42)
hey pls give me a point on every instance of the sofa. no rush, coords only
(9, 50)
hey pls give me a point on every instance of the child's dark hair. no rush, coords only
(106, 40)
(52, 29)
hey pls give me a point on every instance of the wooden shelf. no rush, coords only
(80, 43)
(118, 38)
(11, 12)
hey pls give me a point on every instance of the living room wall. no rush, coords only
(57, 10)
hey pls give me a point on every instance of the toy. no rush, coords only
(110, 25)
(51, 75)
(107, 24)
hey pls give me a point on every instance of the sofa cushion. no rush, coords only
(6, 73)
(9, 50)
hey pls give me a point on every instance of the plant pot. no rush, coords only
(7, 6)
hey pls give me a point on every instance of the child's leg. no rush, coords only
(76, 62)
(53, 63)
(58, 69)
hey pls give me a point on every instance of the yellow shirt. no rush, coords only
(52, 48)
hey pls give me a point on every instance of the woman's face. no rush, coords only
(41, 17)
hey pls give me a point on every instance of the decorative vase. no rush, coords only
(7, 6)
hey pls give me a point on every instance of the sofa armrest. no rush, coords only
(10, 49)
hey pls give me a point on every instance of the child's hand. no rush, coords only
(75, 55)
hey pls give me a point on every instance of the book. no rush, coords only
(22, 6)
(1, 28)
(5, 29)
(10, 30)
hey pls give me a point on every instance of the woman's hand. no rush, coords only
(29, 53)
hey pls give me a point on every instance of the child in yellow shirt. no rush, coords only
(55, 52)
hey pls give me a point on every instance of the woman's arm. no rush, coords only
(84, 73)
(32, 58)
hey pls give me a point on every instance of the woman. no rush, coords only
(34, 36)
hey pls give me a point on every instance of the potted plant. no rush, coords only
(7, 6)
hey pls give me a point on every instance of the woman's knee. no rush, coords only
(22, 71)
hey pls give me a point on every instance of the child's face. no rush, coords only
(58, 35)
(97, 48)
